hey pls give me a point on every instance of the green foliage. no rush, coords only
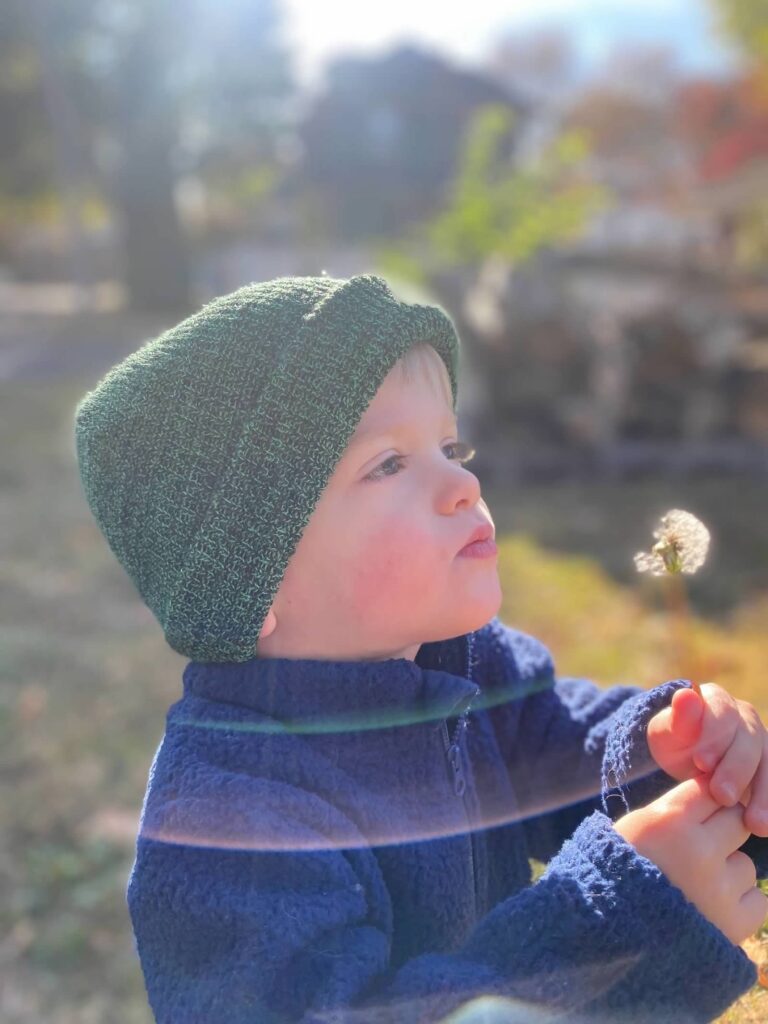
(69, 889)
(396, 262)
(497, 208)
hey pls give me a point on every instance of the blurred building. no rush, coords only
(381, 143)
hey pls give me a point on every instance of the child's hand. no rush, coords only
(717, 734)
(695, 842)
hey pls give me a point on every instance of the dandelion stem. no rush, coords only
(682, 542)
(677, 603)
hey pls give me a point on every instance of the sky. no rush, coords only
(319, 30)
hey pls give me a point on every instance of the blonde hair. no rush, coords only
(423, 358)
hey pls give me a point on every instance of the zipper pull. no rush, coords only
(459, 781)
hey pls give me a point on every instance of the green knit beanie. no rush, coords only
(203, 454)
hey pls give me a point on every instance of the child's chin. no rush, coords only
(480, 612)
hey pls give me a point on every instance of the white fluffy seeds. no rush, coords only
(682, 545)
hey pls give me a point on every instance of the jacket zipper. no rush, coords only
(459, 786)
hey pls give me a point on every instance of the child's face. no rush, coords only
(376, 572)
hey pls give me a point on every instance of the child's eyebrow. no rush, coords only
(374, 433)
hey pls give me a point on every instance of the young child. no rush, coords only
(339, 818)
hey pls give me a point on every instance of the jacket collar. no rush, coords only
(435, 685)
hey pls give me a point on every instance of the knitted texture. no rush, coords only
(292, 866)
(203, 454)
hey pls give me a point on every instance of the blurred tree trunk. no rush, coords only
(156, 268)
(67, 144)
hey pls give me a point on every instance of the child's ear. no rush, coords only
(270, 622)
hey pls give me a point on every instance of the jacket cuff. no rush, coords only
(685, 968)
(627, 756)
(630, 776)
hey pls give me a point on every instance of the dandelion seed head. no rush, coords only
(682, 545)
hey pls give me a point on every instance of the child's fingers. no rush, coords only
(686, 713)
(756, 798)
(692, 798)
(736, 768)
(723, 827)
(742, 871)
(680, 722)
(721, 723)
(725, 830)
(755, 906)
(746, 796)
(674, 731)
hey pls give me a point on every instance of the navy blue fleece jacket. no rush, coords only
(349, 841)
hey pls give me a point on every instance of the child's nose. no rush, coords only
(462, 486)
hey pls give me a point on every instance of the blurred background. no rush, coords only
(582, 187)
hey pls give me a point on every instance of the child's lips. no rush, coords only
(482, 532)
(479, 549)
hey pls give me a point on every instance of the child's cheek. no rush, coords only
(389, 569)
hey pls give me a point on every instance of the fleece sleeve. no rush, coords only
(286, 931)
(571, 747)
(627, 756)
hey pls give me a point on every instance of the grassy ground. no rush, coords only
(86, 678)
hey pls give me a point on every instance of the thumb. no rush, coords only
(686, 718)
(675, 730)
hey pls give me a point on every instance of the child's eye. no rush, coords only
(464, 450)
